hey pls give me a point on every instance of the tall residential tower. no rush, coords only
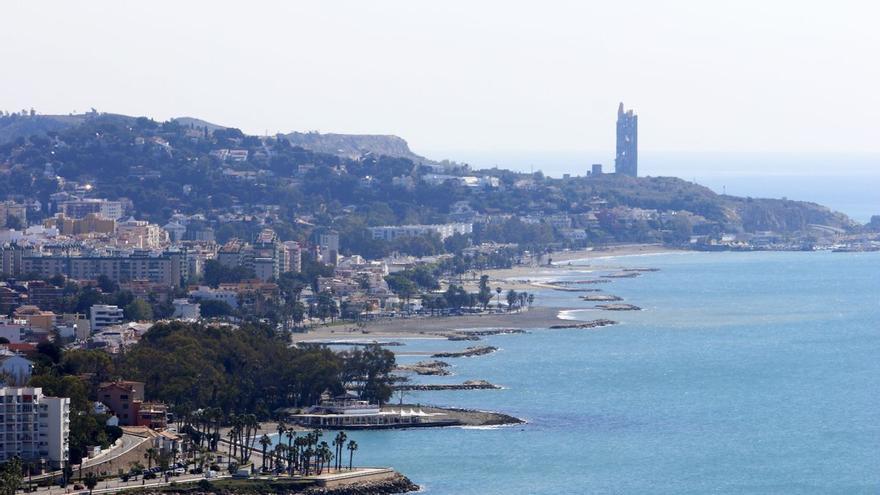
(627, 160)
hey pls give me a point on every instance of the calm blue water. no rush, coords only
(745, 373)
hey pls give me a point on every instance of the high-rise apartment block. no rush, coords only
(34, 427)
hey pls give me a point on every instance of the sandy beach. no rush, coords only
(524, 277)
(520, 278)
(432, 327)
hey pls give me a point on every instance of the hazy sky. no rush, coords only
(465, 75)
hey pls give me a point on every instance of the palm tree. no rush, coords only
(319, 455)
(339, 444)
(251, 426)
(280, 449)
(498, 291)
(233, 436)
(325, 457)
(280, 428)
(300, 444)
(352, 446)
(291, 435)
(149, 455)
(307, 460)
(91, 481)
(265, 441)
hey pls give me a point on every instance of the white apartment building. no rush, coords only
(391, 232)
(185, 310)
(105, 315)
(140, 234)
(78, 208)
(35, 427)
(206, 293)
(292, 257)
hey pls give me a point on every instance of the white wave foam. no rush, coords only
(571, 314)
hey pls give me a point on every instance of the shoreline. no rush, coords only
(434, 327)
(521, 277)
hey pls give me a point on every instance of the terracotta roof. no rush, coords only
(24, 347)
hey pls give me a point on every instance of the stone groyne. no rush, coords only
(467, 385)
(469, 352)
(587, 324)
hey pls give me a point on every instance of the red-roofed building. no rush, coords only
(126, 400)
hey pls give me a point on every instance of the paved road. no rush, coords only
(129, 442)
(117, 485)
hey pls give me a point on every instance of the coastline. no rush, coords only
(521, 278)
(433, 327)
(525, 277)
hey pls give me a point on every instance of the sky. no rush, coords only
(461, 79)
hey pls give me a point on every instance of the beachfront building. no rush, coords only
(126, 400)
(348, 412)
(444, 231)
(35, 427)
(105, 315)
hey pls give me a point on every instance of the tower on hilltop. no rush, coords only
(626, 162)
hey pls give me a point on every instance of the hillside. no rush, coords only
(161, 169)
(355, 145)
(732, 212)
(16, 126)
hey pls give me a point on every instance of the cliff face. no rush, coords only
(355, 145)
(786, 216)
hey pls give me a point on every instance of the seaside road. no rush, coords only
(117, 485)
(129, 442)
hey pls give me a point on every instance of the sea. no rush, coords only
(751, 373)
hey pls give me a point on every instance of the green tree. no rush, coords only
(326, 306)
(91, 481)
(212, 308)
(138, 310)
(11, 476)
(352, 446)
(484, 296)
(150, 455)
(265, 441)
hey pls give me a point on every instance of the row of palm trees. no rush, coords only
(302, 454)
(241, 435)
(306, 454)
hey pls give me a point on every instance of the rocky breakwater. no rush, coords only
(397, 483)
(432, 367)
(476, 334)
(622, 274)
(386, 482)
(469, 352)
(601, 298)
(467, 385)
(618, 307)
(586, 324)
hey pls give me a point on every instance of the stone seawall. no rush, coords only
(380, 483)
